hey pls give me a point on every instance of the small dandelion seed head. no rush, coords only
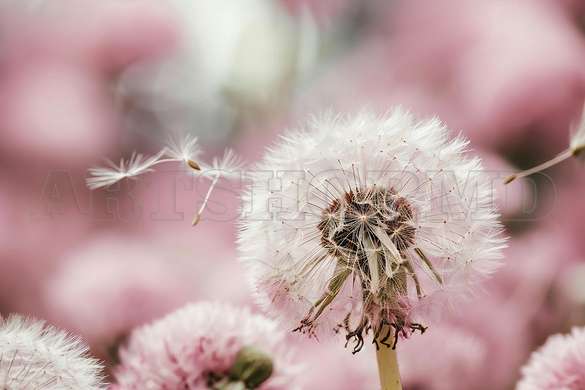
(558, 364)
(358, 240)
(34, 355)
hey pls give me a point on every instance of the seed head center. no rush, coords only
(366, 214)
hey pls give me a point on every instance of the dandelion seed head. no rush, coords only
(367, 221)
(204, 345)
(35, 356)
(558, 364)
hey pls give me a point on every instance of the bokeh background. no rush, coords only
(85, 80)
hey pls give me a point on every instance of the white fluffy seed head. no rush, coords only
(36, 356)
(356, 222)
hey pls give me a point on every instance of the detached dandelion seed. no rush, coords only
(185, 151)
(388, 224)
(34, 355)
(575, 149)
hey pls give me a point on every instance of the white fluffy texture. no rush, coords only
(456, 224)
(176, 351)
(35, 356)
(558, 365)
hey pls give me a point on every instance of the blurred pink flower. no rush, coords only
(54, 112)
(484, 342)
(508, 70)
(480, 346)
(110, 286)
(528, 284)
(58, 62)
(558, 365)
(537, 78)
(202, 344)
(115, 283)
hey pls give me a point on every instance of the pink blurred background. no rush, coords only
(81, 81)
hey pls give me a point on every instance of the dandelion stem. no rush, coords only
(387, 364)
(209, 191)
(541, 167)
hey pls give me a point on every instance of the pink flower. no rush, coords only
(206, 345)
(558, 365)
